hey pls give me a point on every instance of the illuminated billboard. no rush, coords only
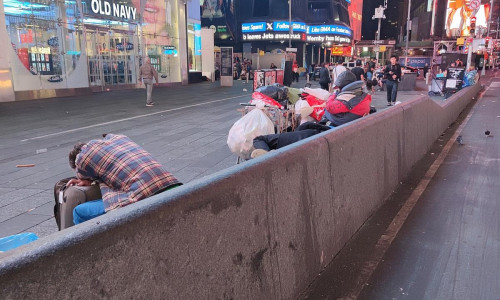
(355, 17)
(459, 14)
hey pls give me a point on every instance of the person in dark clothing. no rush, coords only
(358, 71)
(426, 70)
(324, 77)
(393, 74)
(266, 143)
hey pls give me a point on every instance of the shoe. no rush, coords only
(257, 152)
(150, 104)
(394, 103)
(389, 104)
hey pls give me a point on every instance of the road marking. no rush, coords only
(397, 222)
(128, 119)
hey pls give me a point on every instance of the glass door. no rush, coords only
(111, 58)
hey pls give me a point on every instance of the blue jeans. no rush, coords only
(88, 210)
(392, 90)
(369, 75)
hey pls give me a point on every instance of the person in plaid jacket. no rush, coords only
(125, 172)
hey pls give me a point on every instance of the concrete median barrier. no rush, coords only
(263, 229)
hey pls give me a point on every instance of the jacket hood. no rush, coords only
(345, 78)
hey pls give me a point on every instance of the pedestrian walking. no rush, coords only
(426, 70)
(147, 73)
(324, 77)
(393, 75)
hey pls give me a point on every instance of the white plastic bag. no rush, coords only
(250, 126)
(303, 109)
(318, 93)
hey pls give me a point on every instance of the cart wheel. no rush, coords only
(431, 94)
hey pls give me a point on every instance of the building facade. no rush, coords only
(55, 47)
(263, 25)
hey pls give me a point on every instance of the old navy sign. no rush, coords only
(329, 29)
(117, 10)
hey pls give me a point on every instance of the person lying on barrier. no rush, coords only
(125, 172)
(349, 103)
(266, 143)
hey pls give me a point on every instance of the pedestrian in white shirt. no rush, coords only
(339, 69)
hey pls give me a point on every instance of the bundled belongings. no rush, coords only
(251, 125)
(276, 91)
(317, 105)
(318, 93)
(262, 100)
(350, 104)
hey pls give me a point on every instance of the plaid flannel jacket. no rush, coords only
(126, 172)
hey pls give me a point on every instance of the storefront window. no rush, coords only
(46, 35)
(194, 46)
(160, 38)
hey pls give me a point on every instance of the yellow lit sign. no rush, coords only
(41, 50)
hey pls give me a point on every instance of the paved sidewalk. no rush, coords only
(186, 131)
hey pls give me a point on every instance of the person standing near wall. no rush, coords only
(393, 75)
(147, 73)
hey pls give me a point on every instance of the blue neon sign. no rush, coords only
(283, 26)
(329, 29)
(253, 27)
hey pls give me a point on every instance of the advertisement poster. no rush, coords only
(459, 14)
(219, 15)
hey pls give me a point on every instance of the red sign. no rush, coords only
(356, 16)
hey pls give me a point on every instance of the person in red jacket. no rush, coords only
(349, 104)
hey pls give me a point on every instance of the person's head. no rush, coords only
(339, 63)
(394, 59)
(374, 59)
(326, 64)
(453, 65)
(147, 60)
(358, 63)
(73, 153)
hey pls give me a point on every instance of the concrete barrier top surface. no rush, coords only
(308, 217)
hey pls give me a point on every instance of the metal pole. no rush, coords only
(290, 24)
(483, 72)
(378, 39)
(407, 33)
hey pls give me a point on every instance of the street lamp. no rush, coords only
(290, 27)
(408, 24)
(483, 72)
(379, 14)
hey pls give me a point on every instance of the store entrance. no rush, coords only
(111, 57)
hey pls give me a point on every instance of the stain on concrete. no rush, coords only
(257, 260)
(292, 246)
(238, 259)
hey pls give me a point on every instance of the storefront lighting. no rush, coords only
(365, 49)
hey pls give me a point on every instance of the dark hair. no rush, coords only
(358, 63)
(394, 56)
(73, 153)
